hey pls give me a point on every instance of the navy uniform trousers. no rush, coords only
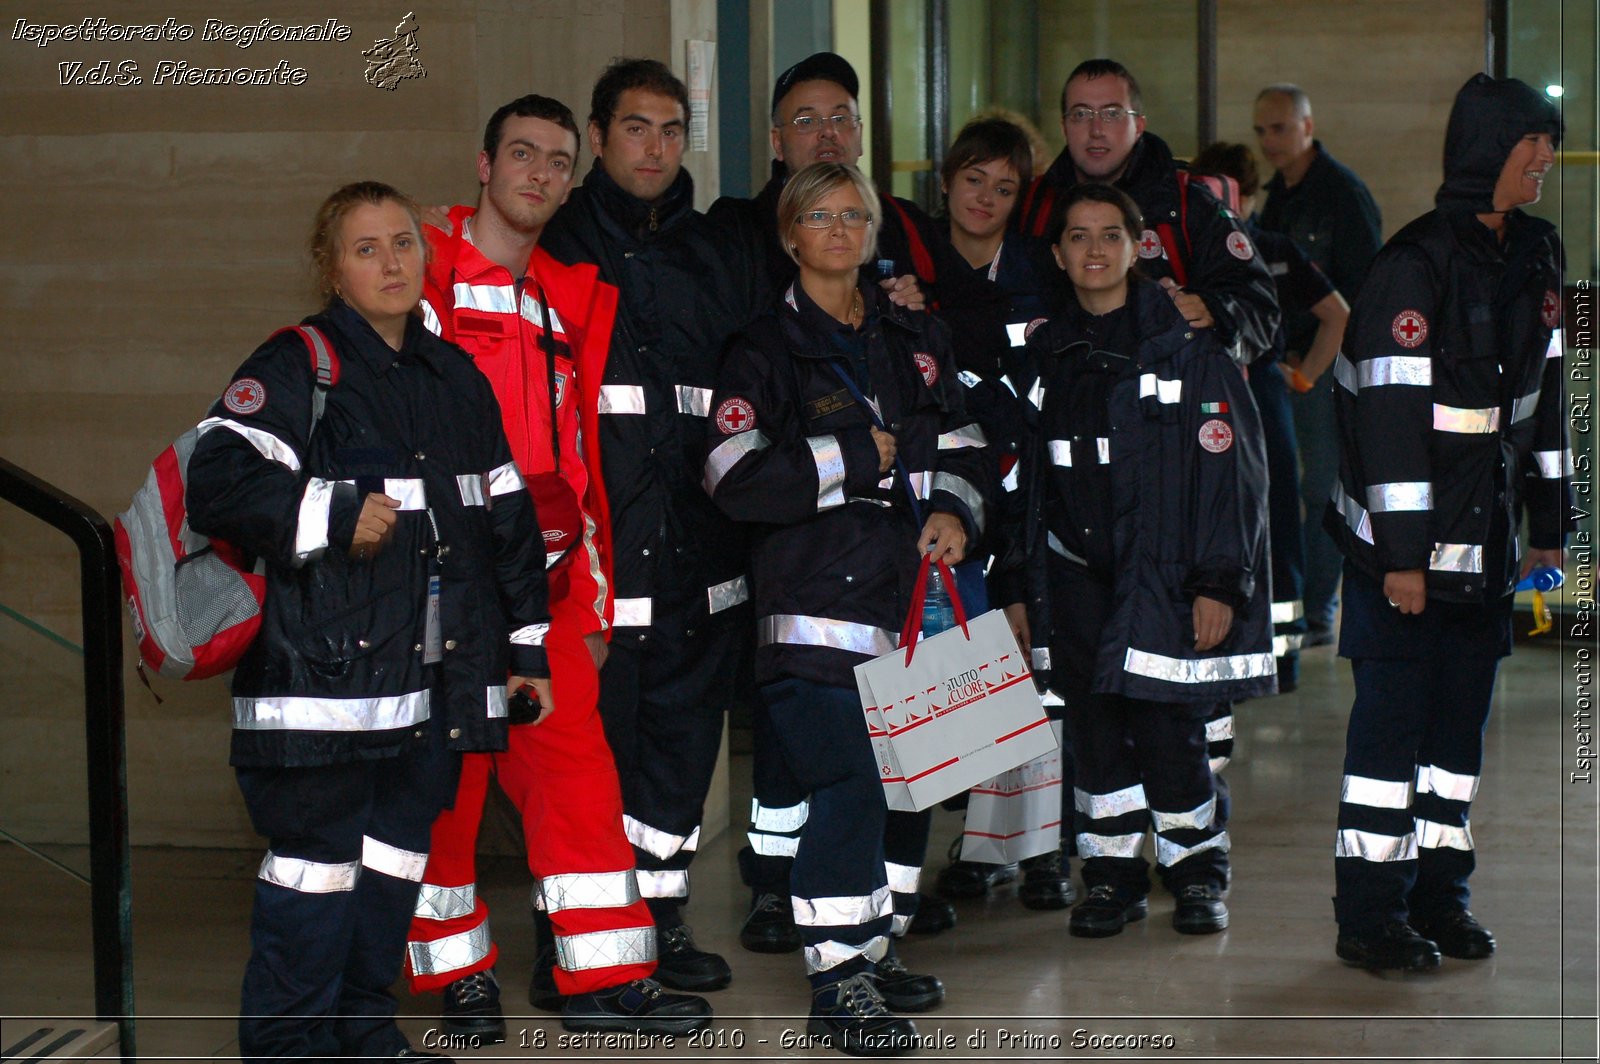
(1413, 752)
(333, 901)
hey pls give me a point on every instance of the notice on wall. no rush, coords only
(702, 61)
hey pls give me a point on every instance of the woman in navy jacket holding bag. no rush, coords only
(1139, 556)
(830, 413)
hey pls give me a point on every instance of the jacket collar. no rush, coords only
(363, 344)
(627, 213)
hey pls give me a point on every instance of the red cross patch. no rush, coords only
(561, 388)
(1032, 325)
(735, 415)
(928, 366)
(1216, 436)
(1239, 246)
(1551, 309)
(1149, 245)
(245, 396)
(1410, 328)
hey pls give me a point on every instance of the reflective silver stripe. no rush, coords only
(1455, 786)
(962, 490)
(785, 818)
(1409, 370)
(1218, 764)
(1061, 453)
(969, 378)
(829, 459)
(662, 884)
(451, 953)
(1165, 391)
(1354, 515)
(1404, 495)
(1219, 730)
(902, 878)
(899, 924)
(1169, 853)
(655, 842)
(470, 485)
(1102, 449)
(843, 911)
(965, 436)
(494, 701)
(1040, 657)
(1061, 549)
(409, 492)
(1013, 479)
(621, 399)
(1199, 670)
(1463, 419)
(1524, 408)
(1371, 846)
(1101, 806)
(831, 954)
(1557, 345)
(304, 713)
(445, 903)
(530, 635)
(1456, 558)
(727, 594)
(696, 401)
(1287, 612)
(602, 589)
(266, 444)
(587, 890)
(309, 877)
(1036, 394)
(505, 479)
(430, 318)
(774, 845)
(532, 311)
(606, 949)
(1432, 835)
(1090, 845)
(1017, 333)
(1287, 644)
(726, 455)
(311, 529)
(489, 298)
(1199, 818)
(392, 860)
(630, 613)
(823, 632)
(1553, 465)
(1379, 794)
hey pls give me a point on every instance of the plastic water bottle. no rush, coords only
(1542, 578)
(938, 611)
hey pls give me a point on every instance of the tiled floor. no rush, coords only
(1018, 987)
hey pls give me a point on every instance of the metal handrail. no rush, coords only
(110, 887)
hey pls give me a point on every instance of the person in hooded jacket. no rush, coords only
(840, 437)
(1140, 560)
(1450, 414)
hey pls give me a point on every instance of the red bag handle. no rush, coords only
(919, 596)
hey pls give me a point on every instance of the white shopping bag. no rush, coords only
(952, 710)
(1017, 814)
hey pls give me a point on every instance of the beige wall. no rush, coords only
(154, 236)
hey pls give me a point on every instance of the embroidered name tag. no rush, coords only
(829, 404)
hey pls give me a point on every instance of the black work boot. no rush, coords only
(933, 915)
(1395, 945)
(851, 1016)
(1457, 934)
(1200, 910)
(770, 926)
(1046, 882)
(1105, 912)
(472, 1008)
(903, 990)
(971, 879)
(542, 992)
(682, 965)
(641, 1005)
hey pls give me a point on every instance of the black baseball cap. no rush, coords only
(824, 66)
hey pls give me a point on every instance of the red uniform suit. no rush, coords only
(541, 339)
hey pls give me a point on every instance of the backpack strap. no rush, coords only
(1179, 263)
(921, 260)
(324, 364)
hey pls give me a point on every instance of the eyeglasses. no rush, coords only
(809, 125)
(851, 219)
(1109, 116)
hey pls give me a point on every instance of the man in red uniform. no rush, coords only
(540, 331)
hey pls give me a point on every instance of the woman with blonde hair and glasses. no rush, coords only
(839, 434)
(404, 585)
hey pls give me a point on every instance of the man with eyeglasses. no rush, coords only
(1193, 246)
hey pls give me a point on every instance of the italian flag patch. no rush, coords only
(1213, 408)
